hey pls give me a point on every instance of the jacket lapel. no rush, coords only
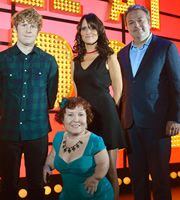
(127, 60)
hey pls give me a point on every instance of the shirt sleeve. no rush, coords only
(52, 83)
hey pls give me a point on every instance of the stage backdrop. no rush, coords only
(60, 18)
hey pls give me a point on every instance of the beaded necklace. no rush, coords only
(74, 147)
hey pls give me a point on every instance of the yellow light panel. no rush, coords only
(60, 49)
(175, 141)
(155, 14)
(67, 6)
(38, 3)
(118, 7)
(116, 45)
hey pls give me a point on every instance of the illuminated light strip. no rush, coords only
(175, 141)
(60, 49)
(38, 3)
(155, 14)
(116, 45)
(68, 6)
(118, 7)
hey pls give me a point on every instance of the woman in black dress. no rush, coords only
(94, 69)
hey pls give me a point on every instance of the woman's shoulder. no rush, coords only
(97, 143)
(96, 139)
(112, 56)
(59, 135)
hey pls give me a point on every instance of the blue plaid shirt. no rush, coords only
(28, 88)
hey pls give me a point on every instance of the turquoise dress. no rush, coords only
(76, 172)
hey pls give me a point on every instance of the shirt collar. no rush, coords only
(15, 50)
(145, 44)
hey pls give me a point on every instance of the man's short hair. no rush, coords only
(30, 15)
(136, 7)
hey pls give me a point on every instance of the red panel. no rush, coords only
(170, 6)
(5, 22)
(3, 47)
(3, 35)
(55, 127)
(120, 159)
(169, 27)
(175, 152)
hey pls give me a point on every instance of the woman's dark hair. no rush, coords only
(102, 42)
(72, 103)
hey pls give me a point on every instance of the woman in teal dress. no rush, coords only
(94, 69)
(79, 155)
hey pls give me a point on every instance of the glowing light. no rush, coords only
(47, 190)
(118, 7)
(38, 3)
(150, 178)
(58, 188)
(66, 5)
(173, 175)
(22, 193)
(155, 14)
(178, 173)
(116, 45)
(127, 180)
(175, 141)
(119, 181)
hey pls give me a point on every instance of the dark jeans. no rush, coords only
(150, 154)
(35, 152)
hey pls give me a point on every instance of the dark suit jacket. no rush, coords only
(152, 97)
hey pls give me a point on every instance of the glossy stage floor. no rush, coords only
(175, 194)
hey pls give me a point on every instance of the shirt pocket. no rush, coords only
(39, 77)
(11, 79)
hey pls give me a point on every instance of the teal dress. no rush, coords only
(76, 172)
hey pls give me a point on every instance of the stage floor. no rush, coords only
(175, 194)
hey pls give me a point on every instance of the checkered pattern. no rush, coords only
(28, 87)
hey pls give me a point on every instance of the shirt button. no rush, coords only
(20, 122)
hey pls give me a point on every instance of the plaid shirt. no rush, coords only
(28, 87)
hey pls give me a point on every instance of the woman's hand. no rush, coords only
(46, 173)
(91, 185)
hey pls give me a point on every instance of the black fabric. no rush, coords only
(150, 154)
(93, 85)
(35, 152)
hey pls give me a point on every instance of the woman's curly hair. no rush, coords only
(102, 42)
(72, 103)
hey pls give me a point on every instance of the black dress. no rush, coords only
(93, 85)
